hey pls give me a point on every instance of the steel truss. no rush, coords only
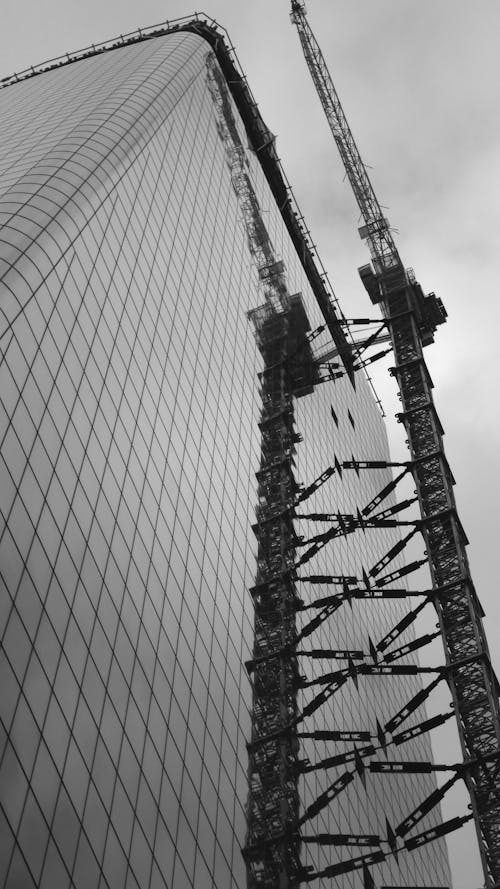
(272, 849)
(471, 679)
(411, 318)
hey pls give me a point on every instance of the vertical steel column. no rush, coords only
(471, 678)
(272, 849)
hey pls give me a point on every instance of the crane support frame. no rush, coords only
(473, 684)
(412, 319)
(273, 800)
(272, 847)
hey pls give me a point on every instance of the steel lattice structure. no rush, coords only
(272, 849)
(273, 804)
(411, 318)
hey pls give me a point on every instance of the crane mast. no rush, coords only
(411, 318)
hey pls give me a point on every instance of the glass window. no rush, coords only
(19, 874)
(54, 871)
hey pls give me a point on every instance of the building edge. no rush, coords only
(262, 142)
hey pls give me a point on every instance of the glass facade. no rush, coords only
(129, 408)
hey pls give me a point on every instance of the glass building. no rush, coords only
(129, 411)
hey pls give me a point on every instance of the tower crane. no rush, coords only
(411, 318)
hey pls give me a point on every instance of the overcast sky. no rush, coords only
(419, 81)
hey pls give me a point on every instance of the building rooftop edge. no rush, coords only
(261, 139)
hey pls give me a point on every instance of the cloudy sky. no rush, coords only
(419, 83)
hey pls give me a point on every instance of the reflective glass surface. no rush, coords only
(129, 405)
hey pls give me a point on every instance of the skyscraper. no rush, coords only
(130, 440)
